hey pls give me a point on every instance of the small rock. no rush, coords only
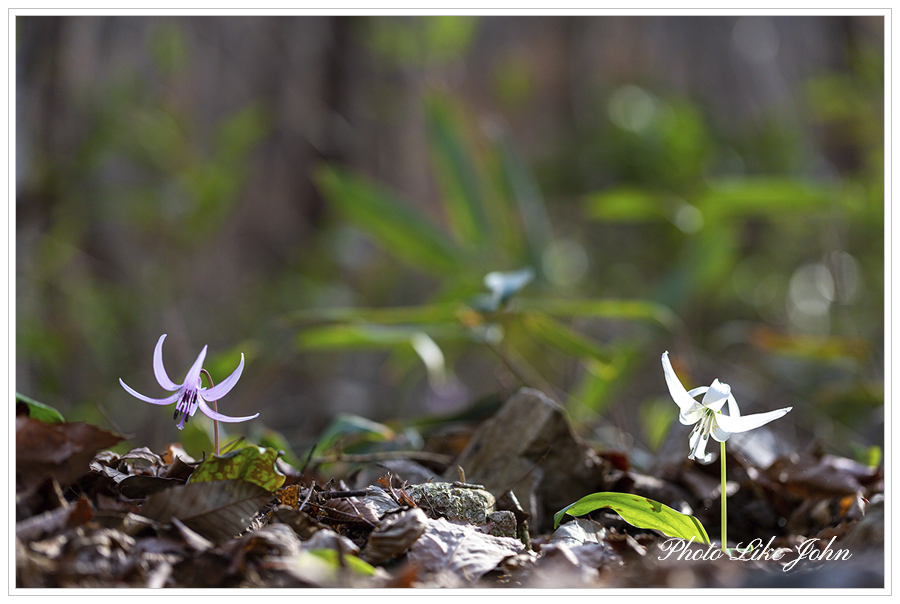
(445, 500)
(504, 523)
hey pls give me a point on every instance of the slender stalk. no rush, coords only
(216, 422)
(724, 505)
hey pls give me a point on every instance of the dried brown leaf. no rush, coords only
(578, 532)
(62, 451)
(302, 523)
(218, 509)
(460, 549)
(394, 535)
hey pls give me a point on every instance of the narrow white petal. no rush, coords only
(676, 390)
(733, 409)
(719, 434)
(749, 422)
(716, 396)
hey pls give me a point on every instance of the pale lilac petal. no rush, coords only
(156, 401)
(749, 422)
(676, 390)
(224, 387)
(218, 416)
(161, 376)
(716, 396)
(192, 379)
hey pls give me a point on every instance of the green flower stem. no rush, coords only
(724, 505)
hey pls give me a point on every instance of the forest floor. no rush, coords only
(443, 517)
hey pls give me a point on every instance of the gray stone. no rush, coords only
(447, 500)
(504, 523)
(528, 446)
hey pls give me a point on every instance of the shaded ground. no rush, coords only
(482, 517)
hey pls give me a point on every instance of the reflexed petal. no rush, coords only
(218, 416)
(155, 401)
(681, 397)
(749, 422)
(192, 379)
(161, 376)
(716, 396)
(719, 434)
(733, 409)
(224, 387)
(698, 390)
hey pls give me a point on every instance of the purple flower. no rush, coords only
(190, 395)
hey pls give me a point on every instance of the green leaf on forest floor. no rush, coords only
(250, 464)
(39, 411)
(335, 561)
(640, 512)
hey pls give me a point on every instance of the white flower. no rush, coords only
(707, 413)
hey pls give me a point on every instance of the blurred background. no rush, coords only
(280, 187)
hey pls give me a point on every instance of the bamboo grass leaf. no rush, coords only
(640, 512)
(392, 223)
(644, 310)
(553, 333)
(461, 189)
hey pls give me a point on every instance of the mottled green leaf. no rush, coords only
(250, 464)
(640, 512)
